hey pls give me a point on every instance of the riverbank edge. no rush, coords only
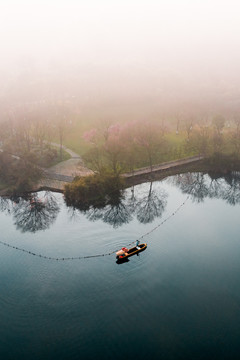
(134, 178)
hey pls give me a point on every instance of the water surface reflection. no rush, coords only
(201, 186)
(34, 212)
(182, 294)
(145, 202)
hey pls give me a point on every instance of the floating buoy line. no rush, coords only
(96, 255)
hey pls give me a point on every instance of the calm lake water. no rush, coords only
(179, 299)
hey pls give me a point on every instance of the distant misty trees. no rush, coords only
(204, 134)
(27, 129)
(116, 147)
(123, 147)
(207, 135)
(235, 134)
(18, 174)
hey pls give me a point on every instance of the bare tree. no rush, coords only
(62, 122)
(236, 134)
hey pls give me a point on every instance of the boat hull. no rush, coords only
(131, 252)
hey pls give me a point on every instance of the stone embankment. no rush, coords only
(64, 172)
(160, 171)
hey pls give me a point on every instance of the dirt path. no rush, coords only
(69, 168)
(64, 172)
(58, 175)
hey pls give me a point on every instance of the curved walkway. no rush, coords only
(68, 169)
(64, 172)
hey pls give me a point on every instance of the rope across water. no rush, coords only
(96, 255)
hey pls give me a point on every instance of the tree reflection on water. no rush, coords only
(146, 202)
(115, 213)
(218, 186)
(146, 205)
(33, 212)
(151, 205)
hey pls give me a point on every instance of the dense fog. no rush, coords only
(127, 57)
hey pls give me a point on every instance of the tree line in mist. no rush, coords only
(114, 146)
(127, 146)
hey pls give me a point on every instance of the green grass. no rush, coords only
(176, 140)
(55, 161)
(73, 137)
(176, 144)
(3, 185)
(175, 148)
(77, 144)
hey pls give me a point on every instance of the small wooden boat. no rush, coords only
(131, 252)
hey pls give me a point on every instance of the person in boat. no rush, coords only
(122, 252)
(137, 244)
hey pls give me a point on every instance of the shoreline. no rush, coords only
(159, 172)
(139, 176)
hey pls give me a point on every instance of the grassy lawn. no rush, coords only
(174, 150)
(176, 140)
(55, 161)
(75, 142)
(3, 186)
(73, 137)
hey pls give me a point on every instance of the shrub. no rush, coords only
(19, 175)
(92, 190)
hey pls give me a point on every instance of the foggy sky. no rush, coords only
(128, 47)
